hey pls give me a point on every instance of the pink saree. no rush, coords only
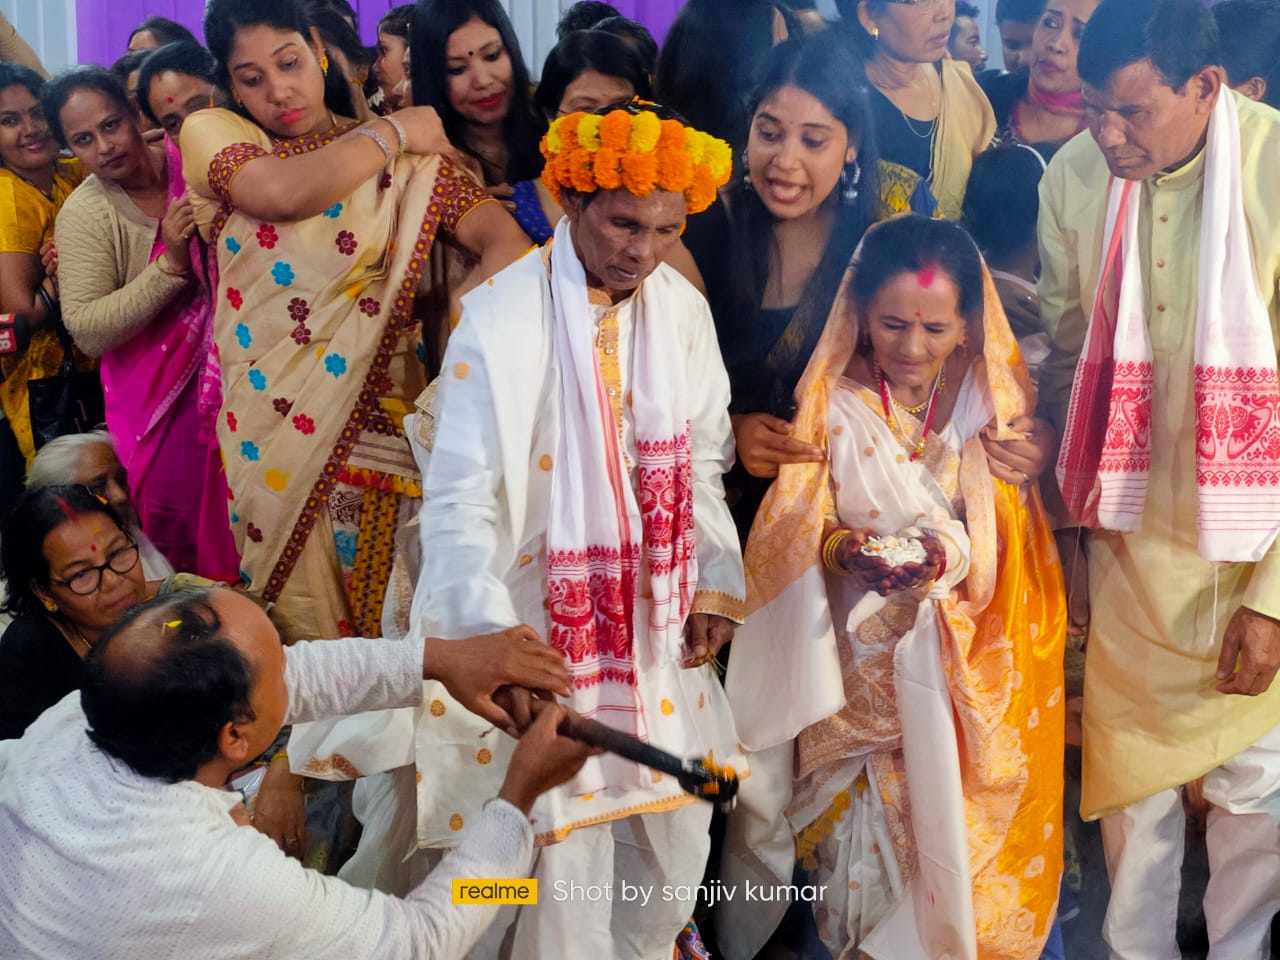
(150, 384)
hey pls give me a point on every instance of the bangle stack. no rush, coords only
(837, 536)
(379, 139)
(401, 134)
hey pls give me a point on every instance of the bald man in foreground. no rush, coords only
(117, 830)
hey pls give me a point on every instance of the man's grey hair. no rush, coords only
(57, 461)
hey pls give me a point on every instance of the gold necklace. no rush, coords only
(939, 384)
(73, 635)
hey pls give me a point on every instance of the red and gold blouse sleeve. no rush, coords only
(457, 194)
(216, 144)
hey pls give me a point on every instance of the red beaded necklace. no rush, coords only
(887, 402)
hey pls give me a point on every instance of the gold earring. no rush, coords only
(875, 33)
(235, 95)
(49, 604)
(324, 62)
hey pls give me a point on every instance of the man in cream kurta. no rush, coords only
(1156, 714)
(500, 420)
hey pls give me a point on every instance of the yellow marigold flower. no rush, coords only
(695, 145)
(552, 141)
(646, 128)
(719, 158)
(589, 132)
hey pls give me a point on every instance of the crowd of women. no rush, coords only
(242, 260)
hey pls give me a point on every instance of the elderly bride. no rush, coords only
(899, 678)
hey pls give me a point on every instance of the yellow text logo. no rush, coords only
(495, 891)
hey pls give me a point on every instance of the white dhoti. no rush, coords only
(1144, 847)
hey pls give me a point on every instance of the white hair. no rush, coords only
(58, 461)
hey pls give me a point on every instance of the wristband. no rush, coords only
(377, 138)
(15, 333)
(401, 134)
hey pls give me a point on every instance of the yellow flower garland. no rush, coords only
(637, 151)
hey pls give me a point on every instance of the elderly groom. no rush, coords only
(574, 484)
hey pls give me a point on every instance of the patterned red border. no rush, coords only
(399, 319)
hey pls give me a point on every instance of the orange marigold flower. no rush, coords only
(672, 136)
(702, 192)
(583, 181)
(568, 133)
(608, 168)
(639, 170)
(615, 130)
(675, 172)
(550, 182)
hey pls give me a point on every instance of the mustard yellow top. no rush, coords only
(26, 214)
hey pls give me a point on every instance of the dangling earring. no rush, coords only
(49, 604)
(746, 175)
(324, 62)
(849, 182)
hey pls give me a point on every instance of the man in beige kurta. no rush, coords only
(1164, 705)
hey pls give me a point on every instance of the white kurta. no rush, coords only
(483, 526)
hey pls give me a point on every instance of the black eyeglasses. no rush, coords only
(89, 580)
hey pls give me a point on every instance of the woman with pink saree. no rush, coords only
(127, 254)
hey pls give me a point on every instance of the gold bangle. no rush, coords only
(829, 548)
(279, 755)
(160, 265)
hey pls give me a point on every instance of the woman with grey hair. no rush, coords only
(89, 460)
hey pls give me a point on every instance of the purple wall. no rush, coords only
(103, 26)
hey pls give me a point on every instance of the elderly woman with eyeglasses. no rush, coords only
(70, 571)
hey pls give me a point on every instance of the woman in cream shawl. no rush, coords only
(906, 723)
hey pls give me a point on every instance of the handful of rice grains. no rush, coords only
(895, 551)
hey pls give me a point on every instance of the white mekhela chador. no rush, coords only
(490, 448)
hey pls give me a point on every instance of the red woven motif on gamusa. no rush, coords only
(1237, 426)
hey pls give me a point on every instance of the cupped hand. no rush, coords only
(765, 443)
(543, 759)
(1020, 460)
(472, 670)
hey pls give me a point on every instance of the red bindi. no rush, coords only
(170, 99)
(917, 314)
(93, 548)
(928, 273)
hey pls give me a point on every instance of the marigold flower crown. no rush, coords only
(637, 149)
